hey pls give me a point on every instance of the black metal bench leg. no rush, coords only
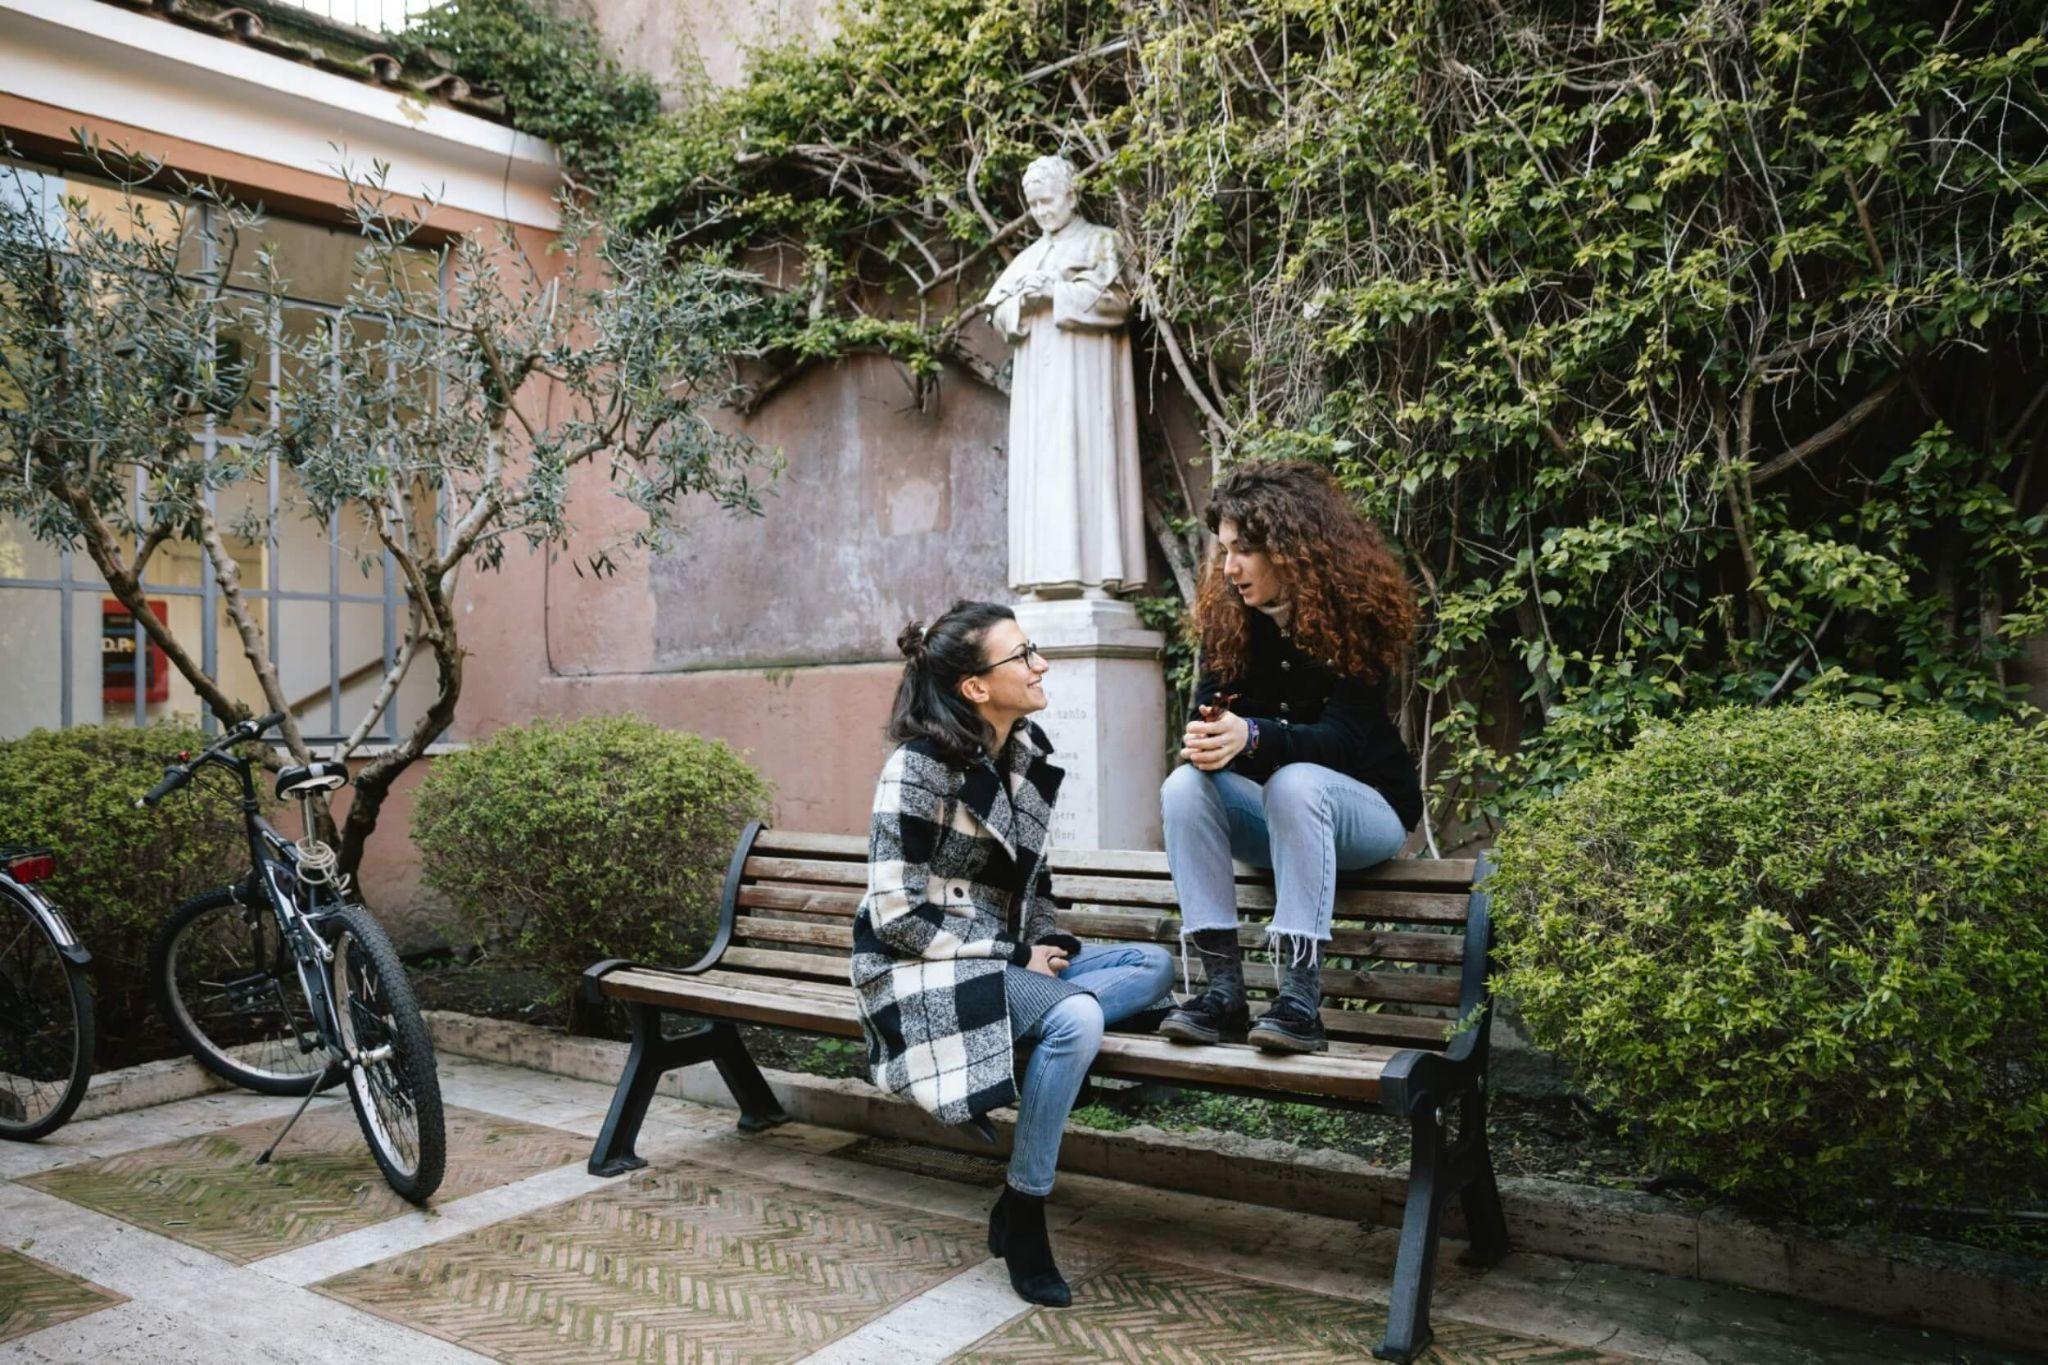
(759, 1109)
(1408, 1331)
(645, 1065)
(1486, 1224)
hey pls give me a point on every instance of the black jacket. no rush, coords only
(1307, 714)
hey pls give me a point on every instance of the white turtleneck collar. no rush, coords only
(1280, 614)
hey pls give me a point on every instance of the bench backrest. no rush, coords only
(1394, 964)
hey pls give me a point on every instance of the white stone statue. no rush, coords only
(1077, 527)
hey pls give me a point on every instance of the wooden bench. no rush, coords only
(1408, 960)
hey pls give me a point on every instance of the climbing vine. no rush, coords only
(558, 81)
(1691, 353)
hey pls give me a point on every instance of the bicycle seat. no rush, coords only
(305, 779)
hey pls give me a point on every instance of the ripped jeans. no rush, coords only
(1306, 822)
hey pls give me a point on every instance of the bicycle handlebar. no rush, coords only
(174, 777)
(177, 775)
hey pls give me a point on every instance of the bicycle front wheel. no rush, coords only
(45, 1027)
(229, 986)
(393, 1084)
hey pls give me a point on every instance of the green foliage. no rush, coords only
(120, 870)
(1689, 354)
(836, 1057)
(558, 82)
(603, 837)
(1806, 948)
(1102, 1118)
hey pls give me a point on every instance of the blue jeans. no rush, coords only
(1121, 979)
(1307, 823)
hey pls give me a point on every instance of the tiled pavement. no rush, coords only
(146, 1237)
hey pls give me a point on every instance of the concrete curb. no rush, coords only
(144, 1086)
(1938, 1287)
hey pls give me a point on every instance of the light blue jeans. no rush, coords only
(1306, 822)
(1121, 979)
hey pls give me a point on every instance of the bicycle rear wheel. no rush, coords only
(230, 989)
(45, 1027)
(394, 1087)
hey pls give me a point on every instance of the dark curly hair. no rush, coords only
(1353, 605)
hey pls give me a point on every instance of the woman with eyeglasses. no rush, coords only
(957, 955)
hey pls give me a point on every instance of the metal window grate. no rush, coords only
(76, 578)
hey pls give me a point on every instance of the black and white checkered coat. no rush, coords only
(957, 891)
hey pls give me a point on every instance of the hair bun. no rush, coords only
(911, 640)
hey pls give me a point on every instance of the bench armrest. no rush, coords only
(728, 910)
(1415, 1077)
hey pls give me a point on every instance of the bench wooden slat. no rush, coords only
(842, 858)
(811, 902)
(765, 929)
(778, 967)
(1414, 874)
(768, 869)
(1352, 1025)
(799, 844)
(1396, 986)
(1139, 928)
(1368, 903)
(1347, 1071)
(1405, 907)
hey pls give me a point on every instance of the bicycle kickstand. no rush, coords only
(311, 1091)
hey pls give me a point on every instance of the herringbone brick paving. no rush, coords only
(208, 1192)
(34, 1296)
(1154, 1314)
(683, 1265)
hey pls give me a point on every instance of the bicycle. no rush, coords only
(224, 966)
(46, 1022)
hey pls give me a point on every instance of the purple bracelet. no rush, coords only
(1252, 745)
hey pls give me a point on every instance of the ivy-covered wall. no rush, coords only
(1691, 353)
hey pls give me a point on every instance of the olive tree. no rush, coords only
(446, 409)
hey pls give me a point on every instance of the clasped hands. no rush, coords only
(1211, 744)
(1035, 287)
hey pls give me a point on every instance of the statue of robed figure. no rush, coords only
(1077, 526)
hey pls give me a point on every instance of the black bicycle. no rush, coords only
(45, 1003)
(284, 984)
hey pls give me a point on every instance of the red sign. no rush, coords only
(117, 655)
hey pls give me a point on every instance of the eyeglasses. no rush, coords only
(1026, 651)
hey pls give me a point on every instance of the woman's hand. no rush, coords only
(1049, 960)
(1211, 744)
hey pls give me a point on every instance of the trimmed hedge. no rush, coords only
(1806, 948)
(120, 871)
(605, 837)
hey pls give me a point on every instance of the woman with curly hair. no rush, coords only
(1292, 761)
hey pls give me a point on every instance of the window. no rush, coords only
(326, 595)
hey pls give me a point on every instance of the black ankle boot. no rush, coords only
(1219, 1011)
(1295, 1022)
(1016, 1232)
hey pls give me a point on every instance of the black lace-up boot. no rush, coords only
(1295, 1022)
(1218, 1012)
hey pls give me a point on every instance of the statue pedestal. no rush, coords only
(1107, 720)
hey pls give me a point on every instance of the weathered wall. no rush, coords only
(712, 36)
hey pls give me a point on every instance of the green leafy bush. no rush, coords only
(1806, 948)
(120, 870)
(604, 837)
